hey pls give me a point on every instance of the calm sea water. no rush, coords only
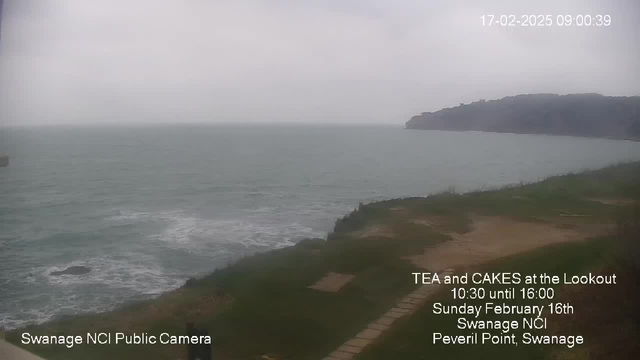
(148, 207)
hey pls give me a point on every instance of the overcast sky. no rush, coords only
(320, 61)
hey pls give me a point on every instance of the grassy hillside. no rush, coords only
(263, 306)
(590, 115)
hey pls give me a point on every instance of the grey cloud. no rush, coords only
(351, 61)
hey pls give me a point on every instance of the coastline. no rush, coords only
(373, 243)
(631, 139)
(158, 239)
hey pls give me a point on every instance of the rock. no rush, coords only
(72, 270)
(4, 160)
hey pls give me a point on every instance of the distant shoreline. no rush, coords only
(632, 139)
(582, 115)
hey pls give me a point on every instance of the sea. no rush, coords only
(148, 206)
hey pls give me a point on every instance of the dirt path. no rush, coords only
(492, 237)
(406, 306)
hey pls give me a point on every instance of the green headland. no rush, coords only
(274, 305)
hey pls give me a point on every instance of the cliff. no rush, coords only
(592, 115)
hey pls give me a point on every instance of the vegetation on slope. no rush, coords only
(607, 317)
(591, 115)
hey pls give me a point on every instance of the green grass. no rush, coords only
(261, 305)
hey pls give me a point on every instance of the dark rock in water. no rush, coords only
(72, 270)
(4, 160)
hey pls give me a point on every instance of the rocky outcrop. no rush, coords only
(72, 270)
(592, 115)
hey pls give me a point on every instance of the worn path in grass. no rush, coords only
(405, 306)
(492, 237)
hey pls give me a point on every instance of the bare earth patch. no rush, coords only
(332, 282)
(492, 237)
(376, 231)
(425, 222)
(399, 211)
(435, 222)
